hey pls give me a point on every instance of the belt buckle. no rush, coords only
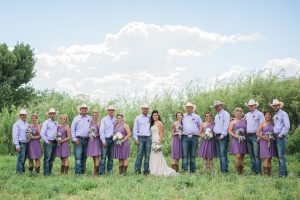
(190, 136)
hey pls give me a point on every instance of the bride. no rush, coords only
(158, 165)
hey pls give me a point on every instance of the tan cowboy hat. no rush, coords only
(111, 107)
(276, 102)
(82, 106)
(52, 110)
(189, 104)
(217, 103)
(144, 105)
(252, 102)
(23, 112)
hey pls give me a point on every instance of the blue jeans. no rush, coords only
(49, 157)
(80, 155)
(281, 145)
(107, 152)
(253, 150)
(144, 149)
(20, 168)
(222, 148)
(189, 148)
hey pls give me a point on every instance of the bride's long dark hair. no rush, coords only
(151, 118)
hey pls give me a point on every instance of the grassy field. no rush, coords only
(184, 186)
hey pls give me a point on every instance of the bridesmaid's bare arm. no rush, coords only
(128, 131)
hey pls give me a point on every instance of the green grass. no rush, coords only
(185, 186)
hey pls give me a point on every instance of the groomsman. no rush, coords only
(80, 135)
(222, 120)
(20, 140)
(191, 124)
(254, 118)
(142, 137)
(281, 129)
(106, 134)
(48, 133)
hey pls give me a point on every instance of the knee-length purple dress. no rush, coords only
(34, 146)
(208, 148)
(63, 150)
(265, 150)
(94, 143)
(121, 151)
(237, 147)
(176, 141)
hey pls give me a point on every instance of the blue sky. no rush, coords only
(50, 25)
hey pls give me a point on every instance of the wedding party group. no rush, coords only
(260, 135)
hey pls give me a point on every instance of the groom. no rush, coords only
(142, 137)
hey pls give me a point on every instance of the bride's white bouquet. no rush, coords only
(208, 134)
(118, 138)
(156, 147)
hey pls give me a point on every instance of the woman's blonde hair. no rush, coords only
(63, 115)
(238, 109)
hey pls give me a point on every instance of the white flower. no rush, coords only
(208, 134)
(118, 138)
(156, 147)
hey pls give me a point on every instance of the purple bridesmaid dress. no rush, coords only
(176, 142)
(34, 146)
(94, 144)
(265, 150)
(208, 148)
(121, 151)
(63, 150)
(235, 146)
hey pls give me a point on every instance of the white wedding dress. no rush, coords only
(158, 165)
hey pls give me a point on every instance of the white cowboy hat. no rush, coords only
(189, 104)
(23, 112)
(145, 105)
(52, 110)
(276, 102)
(111, 107)
(217, 103)
(252, 102)
(82, 106)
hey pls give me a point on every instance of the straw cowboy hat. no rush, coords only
(189, 104)
(23, 112)
(82, 106)
(144, 105)
(217, 103)
(252, 102)
(276, 102)
(111, 107)
(52, 110)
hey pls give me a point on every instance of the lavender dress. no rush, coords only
(121, 151)
(208, 148)
(94, 144)
(265, 151)
(235, 146)
(176, 142)
(63, 150)
(34, 146)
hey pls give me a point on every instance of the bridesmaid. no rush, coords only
(94, 143)
(208, 149)
(63, 150)
(122, 151)
(34, 146)
(267, 145)
(237, 129)
(177, 129)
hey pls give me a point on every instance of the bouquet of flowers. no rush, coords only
(29, 133)
(208, 134)
(270, 136)
(241, 135)
(92, 133)
(58, 137)
(179, 130)
(156, 147)
(118, 138)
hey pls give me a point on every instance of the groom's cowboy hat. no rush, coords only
(217, 103)
(189, 104)
(52, 110)
(111, 107)
(276, 102)
(252, 102)
(22, 112)
(82, 106)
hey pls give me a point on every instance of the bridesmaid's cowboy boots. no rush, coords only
(66, 169)
(176, 167)
(62, 169)
(265, 170)
(96, 170)
(30, 169)
(37, 170)
(269, 171)
(121, 170)
(125, 169)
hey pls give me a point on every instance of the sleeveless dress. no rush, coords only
(94, 144)
(121, 151)
(34, 146)
(208, 148)
(158, 164)
(235, 146)
(176, 142)
(265, 151)
(63, 150)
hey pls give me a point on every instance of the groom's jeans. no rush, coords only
(189, 147)
(253, 150)
(222, 147)
(144, 149)
(107, 152)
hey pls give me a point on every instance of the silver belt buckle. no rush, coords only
(190, 136)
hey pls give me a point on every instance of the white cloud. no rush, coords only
(288, 66)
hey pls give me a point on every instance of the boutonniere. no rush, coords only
(89, 120)
(56, 123)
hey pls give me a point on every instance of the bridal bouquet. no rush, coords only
(29, 133)
(241, 135)
(208, 134)
(92, 133)
(118, 138)
(270, 136)
(156, 147)
(58, 137)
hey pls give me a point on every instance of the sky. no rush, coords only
(108, 48)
